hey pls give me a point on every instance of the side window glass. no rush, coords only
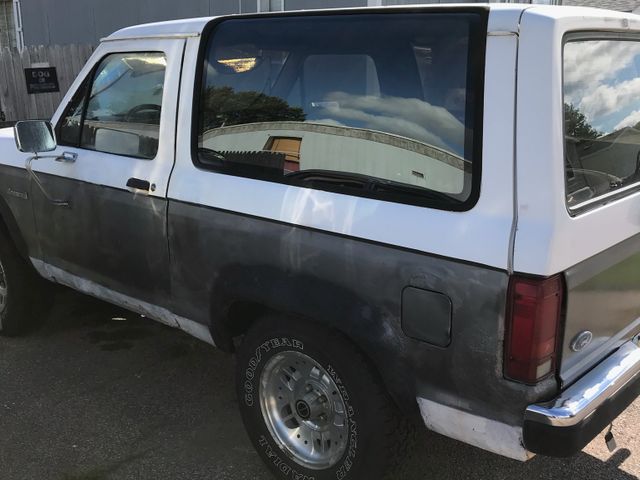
(601, 118)
(371, 105)
(68, 127)
(124, 105)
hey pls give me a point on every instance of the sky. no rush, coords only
(602, 80)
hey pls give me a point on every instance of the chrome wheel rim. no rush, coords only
(304, 410)
(3, 290)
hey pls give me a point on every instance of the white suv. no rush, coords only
(429, 213)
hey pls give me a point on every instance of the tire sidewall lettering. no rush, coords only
(280, 464)
(349, 459)
(272, 454)
(254, 363)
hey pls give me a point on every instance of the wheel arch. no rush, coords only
(9, 226)
(244, 295)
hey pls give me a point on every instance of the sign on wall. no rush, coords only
(41, 80)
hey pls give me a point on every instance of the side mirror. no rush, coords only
(34, 136)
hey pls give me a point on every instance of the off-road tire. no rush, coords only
(374, 423)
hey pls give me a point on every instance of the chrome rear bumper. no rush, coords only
(566, 424)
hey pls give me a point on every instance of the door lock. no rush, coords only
(67, 157)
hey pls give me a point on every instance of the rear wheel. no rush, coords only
(23, 295)
(313, 405)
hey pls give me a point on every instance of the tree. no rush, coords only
(222, 106)
(577, 125)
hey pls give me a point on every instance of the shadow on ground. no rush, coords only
(436, 457)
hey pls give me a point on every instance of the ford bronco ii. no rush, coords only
(428, 213)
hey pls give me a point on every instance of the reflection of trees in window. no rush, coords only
(576, 124)
(222, 106)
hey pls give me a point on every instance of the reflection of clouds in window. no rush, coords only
(608, 99)
(602, 111)
(601, 81)
(408, 117)
(630, 120)
(361, 96)
(591, 63)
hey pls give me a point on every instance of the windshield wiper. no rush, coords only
(368, 183)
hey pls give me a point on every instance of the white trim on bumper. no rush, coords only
(496, 437)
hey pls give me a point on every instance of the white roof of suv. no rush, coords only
(174, 28)
(505, 17)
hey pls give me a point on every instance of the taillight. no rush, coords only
(534, 307)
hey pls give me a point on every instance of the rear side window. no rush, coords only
(119, 110)
(384, 106)
(601, 119)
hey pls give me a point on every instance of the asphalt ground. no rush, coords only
(87, 397)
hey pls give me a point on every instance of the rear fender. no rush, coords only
(306, 298)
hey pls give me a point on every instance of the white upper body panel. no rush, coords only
(486, 233)
(185, 27)
(481, 235)
(549, 240)
(504, 17)
(114, 170)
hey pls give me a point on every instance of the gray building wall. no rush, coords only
(622, 5)
(51, 22)
(59, 22)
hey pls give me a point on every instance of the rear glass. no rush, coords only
(375, 105)
(601, 119)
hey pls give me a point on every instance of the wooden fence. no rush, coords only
(15, 102)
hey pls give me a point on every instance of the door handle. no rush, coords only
(139, 184)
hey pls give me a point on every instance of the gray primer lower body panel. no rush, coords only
(110, 236)
(603, 298)
(221, 257)
(218, 258)
(15, 193)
